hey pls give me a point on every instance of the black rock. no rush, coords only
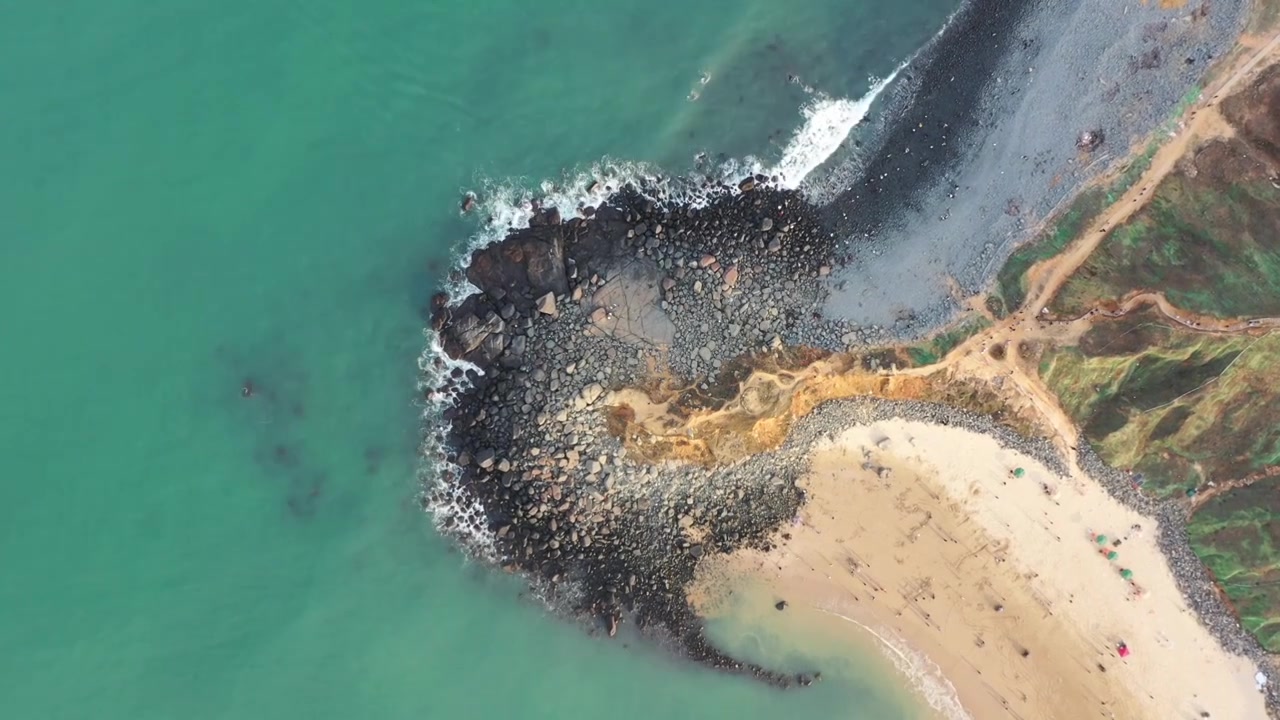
(1090, 140)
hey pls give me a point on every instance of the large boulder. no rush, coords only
(547, 304)
(628, 307)
(1090, 140)
(489, 350)
(527, 264)
(472, 338)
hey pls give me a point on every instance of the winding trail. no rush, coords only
(1202, 122)
(1193, 322)
(1003, 355)
(1214, 490)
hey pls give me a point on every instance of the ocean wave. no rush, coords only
(827, 124)
(846, 165)
(923, 673)
(453, 509)
(510, 204)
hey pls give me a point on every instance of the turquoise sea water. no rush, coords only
(202, 194)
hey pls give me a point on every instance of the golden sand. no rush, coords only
(990, 590)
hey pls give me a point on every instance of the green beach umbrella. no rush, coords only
(1102, 539)
(1113, 555)
(1127, 574)
(1019, 472)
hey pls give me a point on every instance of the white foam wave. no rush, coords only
(827, 124)
(457, 513)
(453, 509)
(437, 373)
(924, 674)
(509, 205)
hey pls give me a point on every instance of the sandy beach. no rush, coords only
(983, 575)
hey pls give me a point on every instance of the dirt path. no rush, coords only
(1003, 355)
(1214, 490)
(1201, 123)
(1189, 320)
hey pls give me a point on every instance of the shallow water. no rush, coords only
(203, 196)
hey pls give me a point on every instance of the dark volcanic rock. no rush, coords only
(532, 261)
(568, 312)
(1090, 140)
(608, 536)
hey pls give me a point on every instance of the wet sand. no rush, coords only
(991, 590)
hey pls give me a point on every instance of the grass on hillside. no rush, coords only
(1011, 289)
(1210, 249)
(1011, 284)
(1182, 408)
(1238, 538)
(928, 352)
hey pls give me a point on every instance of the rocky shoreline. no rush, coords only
(571, 310)
(640, 289)
(574, 310)
(982, 142)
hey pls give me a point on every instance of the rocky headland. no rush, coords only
(632, 387)
(571, 312)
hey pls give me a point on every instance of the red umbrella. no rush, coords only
(1123, 650)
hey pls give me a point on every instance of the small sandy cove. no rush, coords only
(981, 574)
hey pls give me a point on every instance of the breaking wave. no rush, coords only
(453, 509)
(924, 674)
(827, 124)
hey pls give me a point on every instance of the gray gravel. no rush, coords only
(957, 188)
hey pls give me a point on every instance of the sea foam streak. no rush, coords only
(827, 124)
(452, 508)
(924, 674)
(510, 206)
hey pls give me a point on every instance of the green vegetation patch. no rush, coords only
(934, 349)
(1182, 408)
(1211, 248)
(1237, 536)
(1011, 283)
